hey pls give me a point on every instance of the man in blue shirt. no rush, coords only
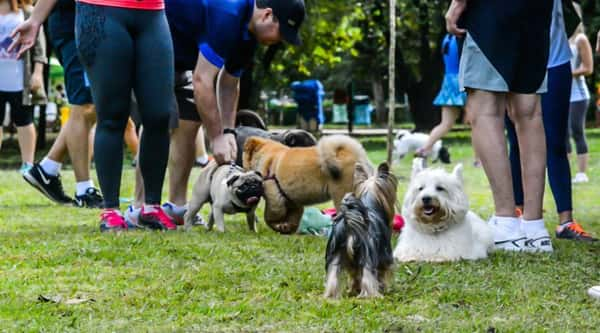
(216, 39)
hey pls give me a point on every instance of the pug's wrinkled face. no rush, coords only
(246, 188)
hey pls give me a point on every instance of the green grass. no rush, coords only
(239, 281)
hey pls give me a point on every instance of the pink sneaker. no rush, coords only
(156, 219)
(112, 220)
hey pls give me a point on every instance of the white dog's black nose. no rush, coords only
(427, 200)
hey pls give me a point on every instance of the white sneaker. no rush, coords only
(580, 177)
(508, 236)
(538, 238)
(132, 215)
(594, 292)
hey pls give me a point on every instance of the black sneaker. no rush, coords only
(90, 199)
(574, 231)
(50, 186)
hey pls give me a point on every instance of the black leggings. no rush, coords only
(577, 113)
(124, 49)
(21, 115)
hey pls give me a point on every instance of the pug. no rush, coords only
(230, 190)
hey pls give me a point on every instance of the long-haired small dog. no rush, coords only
(439, 225)
(360, 242)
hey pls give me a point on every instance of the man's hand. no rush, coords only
(224, 148)
(37, 82)
(24, 36)
(457, 7)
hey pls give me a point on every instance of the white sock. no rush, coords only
(202, 159)
(83, 186)
(508, 222)
(534, 228)
(179, 210)
(149, 208)
(50, 167)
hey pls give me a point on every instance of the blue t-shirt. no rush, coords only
(450, 52)
(216, 28)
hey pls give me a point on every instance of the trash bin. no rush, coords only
(309, 95)
(362, 110)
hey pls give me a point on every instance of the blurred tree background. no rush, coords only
(347, 41)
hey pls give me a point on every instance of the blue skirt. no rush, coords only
(450, 94)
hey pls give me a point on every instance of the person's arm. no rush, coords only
(40, 59)
(223, 146)
(586, 67)
(598, 42)
(457, 7)
(228, 92)
(26, 33)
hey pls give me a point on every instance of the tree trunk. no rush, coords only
(379, 97)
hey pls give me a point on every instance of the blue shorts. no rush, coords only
(61, 28)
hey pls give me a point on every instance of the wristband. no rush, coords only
(230, 131)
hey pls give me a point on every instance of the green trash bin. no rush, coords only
(340, 114)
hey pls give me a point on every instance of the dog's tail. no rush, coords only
(338, 151)
(444, 155)
(249, 118)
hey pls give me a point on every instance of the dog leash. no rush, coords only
(285, 196)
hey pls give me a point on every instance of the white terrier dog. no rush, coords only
(439, 225)
(407, 142)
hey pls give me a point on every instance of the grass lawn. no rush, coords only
(239, 281)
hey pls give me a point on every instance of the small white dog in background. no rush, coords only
(439, 225)
(407, 142)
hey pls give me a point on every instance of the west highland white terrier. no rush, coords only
(407, 142)
(439, 225)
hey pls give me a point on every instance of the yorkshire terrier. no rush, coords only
(360, 242)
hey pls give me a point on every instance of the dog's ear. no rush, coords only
(417, 166)
(444, 155)
(383, 169)
(458, 172)
(252, 144)
(290, 139)
(232, 179)
(258, 173)
(360, 174)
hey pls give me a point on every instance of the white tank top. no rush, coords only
(11, 68)
(579, 89)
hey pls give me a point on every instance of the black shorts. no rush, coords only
(184, 95)
(507, 45)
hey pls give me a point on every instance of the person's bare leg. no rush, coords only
(200, 144)
(81, 119)
(131, 138)
(181, 160)
(27, 138)
(582, 162)
(487, 121)
(526, 113)
(449, 116)
(91, 143)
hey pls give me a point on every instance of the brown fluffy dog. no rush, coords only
(300, 176)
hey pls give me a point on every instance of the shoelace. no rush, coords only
(578, 229)
(113, 219)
